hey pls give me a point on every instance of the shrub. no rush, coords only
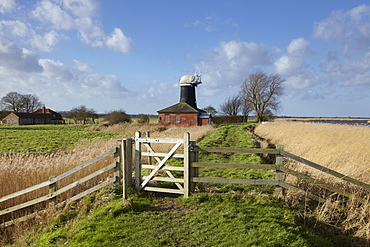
(144, 119)
(116, 117)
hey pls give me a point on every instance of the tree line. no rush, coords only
(260, 93)
(28, 103)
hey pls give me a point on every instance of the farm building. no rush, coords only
(185, 113)
(41, 116)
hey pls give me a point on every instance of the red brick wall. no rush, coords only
(186, 119)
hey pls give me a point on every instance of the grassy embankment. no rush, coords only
(343, 148)
(211, 219)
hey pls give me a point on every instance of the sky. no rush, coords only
(129, 55)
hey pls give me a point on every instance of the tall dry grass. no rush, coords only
(343, 148)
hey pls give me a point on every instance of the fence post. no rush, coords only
(193, 170)
(279, 191)
(187, 172)
(137, 162)
(52, 189)
(126, 166)
(117, 168)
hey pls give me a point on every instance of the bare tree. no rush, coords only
(31, 103)
(261, 93)
(17, 102)
(12, 101)
(232, 106)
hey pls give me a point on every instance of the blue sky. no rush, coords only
(130, 55)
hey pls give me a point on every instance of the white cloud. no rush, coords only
(230, 64)
(80, 15)
(350, 66)
(7, 5)
(117, 41)
(50, 12)
(56, 70)
(294, 67)
(350, 29)
(16, 59)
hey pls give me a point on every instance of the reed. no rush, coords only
(343, 148)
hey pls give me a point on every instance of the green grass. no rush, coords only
(45, 138)
(202, 220)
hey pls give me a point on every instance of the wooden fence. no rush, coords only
(52, 196)
(126, 158)
(192, 164)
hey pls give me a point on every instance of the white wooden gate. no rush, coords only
(156, 164)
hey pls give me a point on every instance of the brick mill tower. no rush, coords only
(185, 113)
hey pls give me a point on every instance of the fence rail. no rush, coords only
(53, 192)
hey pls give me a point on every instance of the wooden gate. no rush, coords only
(158, 167)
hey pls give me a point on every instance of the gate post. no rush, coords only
(126, 166)
(137, 162)
(187, 172)
(279, 191)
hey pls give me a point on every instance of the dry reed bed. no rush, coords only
(343, 148)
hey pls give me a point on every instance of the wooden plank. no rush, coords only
(279, 191)
(237, 150)
(169, 168)
(137, 162)
(166, 179)
(233, 165)
(163, 190)
(326, 170)
(161, 155)
(322, 184)
(234, 181)
(91, 190)
(84, 179)
(84, 165)
(126, 166)
(187, 177)
(302, 192)
(159, 140)
(25, 191)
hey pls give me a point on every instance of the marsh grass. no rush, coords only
(343, 148)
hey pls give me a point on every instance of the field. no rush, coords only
(343, 148)
(237, 218)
